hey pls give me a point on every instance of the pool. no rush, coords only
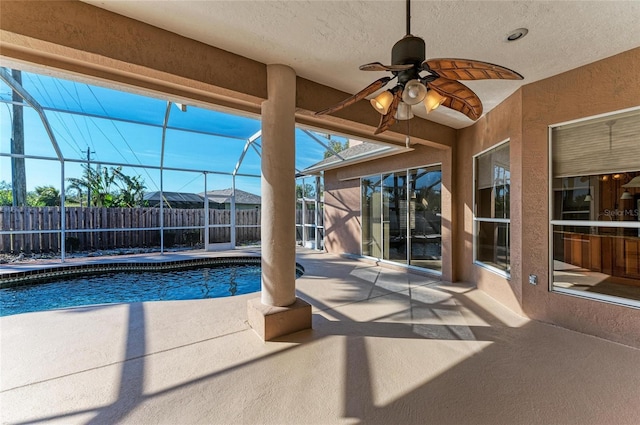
(108, 287)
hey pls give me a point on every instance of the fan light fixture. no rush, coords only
(433, 100)
(382, 102)
(626, 195)
(588, 198)
(404, 112)
(417, 77)
(414, 92)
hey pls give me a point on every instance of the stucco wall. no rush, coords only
(601, 87)
(341, 214)
(502, 123)
(524, 118)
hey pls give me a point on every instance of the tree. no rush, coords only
(335, 146)
(306, 191)
(6, 194)
(131, 189)
(74, 194)
(110, 187)
(47, 196)
(98, 182)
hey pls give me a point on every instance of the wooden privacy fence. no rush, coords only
(108, 228)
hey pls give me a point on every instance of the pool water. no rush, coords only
(128, 287)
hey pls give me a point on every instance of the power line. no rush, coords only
(188, 183)
(114, 125)
(85, 119)
(44, 94)
(65, 127)
(57, 84)
(118, 131)
(89, 166)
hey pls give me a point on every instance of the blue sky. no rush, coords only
(197, 139)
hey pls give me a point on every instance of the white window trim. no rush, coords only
(477, 220)
(626, 302)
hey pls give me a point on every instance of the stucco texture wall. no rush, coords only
(341, 214)
(502, 123)
(524, 118)
(608, 85)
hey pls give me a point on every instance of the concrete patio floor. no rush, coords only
(387, 347)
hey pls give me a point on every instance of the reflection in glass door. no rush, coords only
(425, 218)
(394, 217)
(371, 217)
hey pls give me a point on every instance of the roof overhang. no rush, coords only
(381, 152)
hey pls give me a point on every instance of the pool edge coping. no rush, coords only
(19, 278)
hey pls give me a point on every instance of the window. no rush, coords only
(492, 182)
(595, 204)
(401, 217)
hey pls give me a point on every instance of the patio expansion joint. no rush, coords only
(334, 307)
(166, 350)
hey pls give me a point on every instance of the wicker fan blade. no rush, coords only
(371, 88)
(459, 97)
(377, 66)
(465, 69)
(389, 118)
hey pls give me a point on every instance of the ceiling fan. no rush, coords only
(439, 86)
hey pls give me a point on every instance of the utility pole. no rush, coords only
(88, 183)
(18, 173)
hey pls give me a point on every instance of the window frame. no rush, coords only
(594, 296)
(381, 174)
(477, 220)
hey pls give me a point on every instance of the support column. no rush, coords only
(278, 312)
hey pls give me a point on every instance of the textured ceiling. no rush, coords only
(326, 41)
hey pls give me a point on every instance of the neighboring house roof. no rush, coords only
(223, 196)
(361, 152)
(174, 197)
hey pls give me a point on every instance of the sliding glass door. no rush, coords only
(401, 217)
(371, 217)
(394, 217)
(425, 218)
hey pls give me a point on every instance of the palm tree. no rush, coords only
(97, 183)
(47, 196)
(131, 189)
(74, 197)
(100, 184)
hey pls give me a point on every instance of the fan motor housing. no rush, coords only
(409, 50)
